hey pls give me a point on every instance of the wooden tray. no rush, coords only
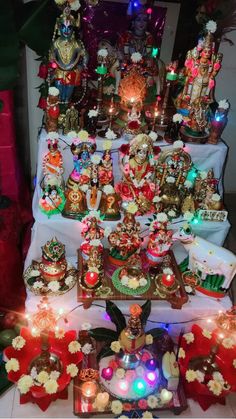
(176, 300)
(84, 408)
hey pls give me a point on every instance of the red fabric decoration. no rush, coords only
(31, 350)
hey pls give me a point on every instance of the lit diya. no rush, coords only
(166, 282)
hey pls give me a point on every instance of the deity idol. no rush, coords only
(138, 40)
(160, 240)
(53, 163)
(79, 179)
(202, 66)
(125, 240)
(67, 56)
(92, 233)
(106, 169)
(138, 166)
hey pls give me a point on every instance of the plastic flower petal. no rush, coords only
(12, 365)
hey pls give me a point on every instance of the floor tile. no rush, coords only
(6, 403)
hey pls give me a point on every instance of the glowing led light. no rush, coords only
(149, 11)
(151, 364)
(195, 221)
(221, 335)
(139, 387)
(61, 311)
(123, 385)
(151, 377)
(209, 321)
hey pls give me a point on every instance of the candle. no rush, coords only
(89, 389)
(151, 364)
(171, 76)
(168, 280)
(91, 279)
(165, 396)
(107, 373)
(151, 377)
(139, 387)
(123, 385)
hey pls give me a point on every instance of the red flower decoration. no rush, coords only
(43, 71)
(30, 351)
(127, 407)
(42, 103)
(133, 125)
(142, 404)
(156, 149)
(124, 149)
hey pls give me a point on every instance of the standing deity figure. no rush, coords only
(53, 163)
(68, 57)
(138, 166)
(92, 233)
(138, 40)
(202, 65)
(52, 111)
(159, 241)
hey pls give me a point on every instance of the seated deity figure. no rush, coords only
(138, 166)
(67, 56)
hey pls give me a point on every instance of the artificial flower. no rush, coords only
(103, 52)
(228, 343)
(107, 144)
(110, 135)
(116, 407)
(86, 326)
(181, 353)
(72, 369)
(53, 91)
(51, 386)
(190, 376)
(124, 280)
(18, 343)
(188, 289)
(75, 5)
(120, 373)
(60, 2)
(69, 280)
(12, 365)
(234, 363)
(156, 199)
(153, 135)
(95, 242)
(24, 384)
(215, 197)
(127, 406)
(54, 375)
(142, 404)
(170, 179)
(152, 402)
(188, 184)
(177, 117)
(200, 376)
(113, 364)
(147, 415)
(215, 387)
(83, 135)
(35, 272)
(178, 144)
(167, 271)
(37, 285)
(84, 188)
(35, 332)
(108, 189)
(188, 215)
(211, 26)
(54, 286)
(74, 347)
(149, 339)
(189, 337)
(217, 376)
(203, 174)
(171, 213)
(223, 104)
(93, 113)
(142, 282)
(136, 57)
(133, 283)
(162, 217)
(42, 377)
(115, 346)
(59, 333)
(132, 208)
(87, 348)
(95, 159)
(206, 333)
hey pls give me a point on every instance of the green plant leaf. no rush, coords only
(105, 351)
(146, 311)
(103, 334)
(157, 332)
(116, 316)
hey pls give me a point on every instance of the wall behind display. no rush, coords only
(226, 89)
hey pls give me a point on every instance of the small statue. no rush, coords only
(67, 56)
(52, 111)
(160, 240)
(92, 233)
(71, 122)
(94, 193)
(125, 240)
(138, 166)
(106, 169)
(53, 164)
(52, 200)
(188, 204)
(53, 266)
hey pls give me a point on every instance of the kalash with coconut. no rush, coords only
(132, 373)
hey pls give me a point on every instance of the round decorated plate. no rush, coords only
(127, 290)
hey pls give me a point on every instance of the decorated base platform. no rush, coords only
(110, 291)
(85, 407)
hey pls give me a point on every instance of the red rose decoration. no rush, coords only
(124, 149)
(133, 125)
(156, 149)
(124, 191)
(43, 71)
(42, 104)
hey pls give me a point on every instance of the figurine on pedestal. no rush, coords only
(92, 233)
(81, 176)
(160, 239)
(138, 167)
(52, 111)
(125, 240)
(68, 57)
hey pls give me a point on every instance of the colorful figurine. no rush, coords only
(160, 239)
(52, 111)
(92, 233)
(138, 167)
(53, 163)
